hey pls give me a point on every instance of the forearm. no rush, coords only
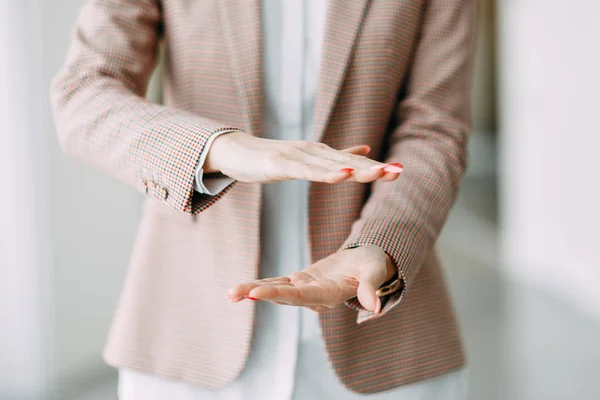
(152, 147)
(103, 118)
(405, 217)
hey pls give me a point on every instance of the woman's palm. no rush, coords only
(327, 283)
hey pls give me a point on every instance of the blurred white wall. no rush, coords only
(93, 222)
(24, 326)
(66, 230)
(550, 145)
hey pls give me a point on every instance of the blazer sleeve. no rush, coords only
(102, 117)
(405, 217)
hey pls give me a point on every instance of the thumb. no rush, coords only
(369, 281)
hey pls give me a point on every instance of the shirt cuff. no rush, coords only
(210, 186)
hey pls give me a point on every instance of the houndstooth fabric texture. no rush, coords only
(395, 76)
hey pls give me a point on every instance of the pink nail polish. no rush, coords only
(395, 168)
(377, 167)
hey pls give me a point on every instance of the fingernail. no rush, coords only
(394, 168)
(367, 148)
(348, 170)
(377, 167)
(251, 298)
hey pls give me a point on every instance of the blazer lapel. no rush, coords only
(241, 21)
(343, 24)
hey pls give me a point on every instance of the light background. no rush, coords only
(66, 230)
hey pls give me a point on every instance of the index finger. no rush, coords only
(348, 156)
(302, 295)
(243, 289)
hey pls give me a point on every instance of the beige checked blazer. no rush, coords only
(395, 75)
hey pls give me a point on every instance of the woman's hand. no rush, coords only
(349, 273)
(246, 158)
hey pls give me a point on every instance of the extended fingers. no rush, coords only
(310, 170)
(242, 290)
(365, 169)
(303, 295)
(318, 162)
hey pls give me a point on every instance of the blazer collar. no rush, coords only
(344, 19)
(241, 21)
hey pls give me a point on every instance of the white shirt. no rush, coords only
(287, 359)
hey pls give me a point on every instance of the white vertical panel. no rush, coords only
(24, 356)
(93, 220)
(66, 230)
(550, 141)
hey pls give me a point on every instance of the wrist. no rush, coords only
(217, 150)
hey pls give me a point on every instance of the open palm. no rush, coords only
(329, 282)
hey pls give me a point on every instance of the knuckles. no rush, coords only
(303, 144)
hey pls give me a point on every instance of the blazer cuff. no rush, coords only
(210, 185)
(387, 302)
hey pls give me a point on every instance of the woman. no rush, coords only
(263, 92)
